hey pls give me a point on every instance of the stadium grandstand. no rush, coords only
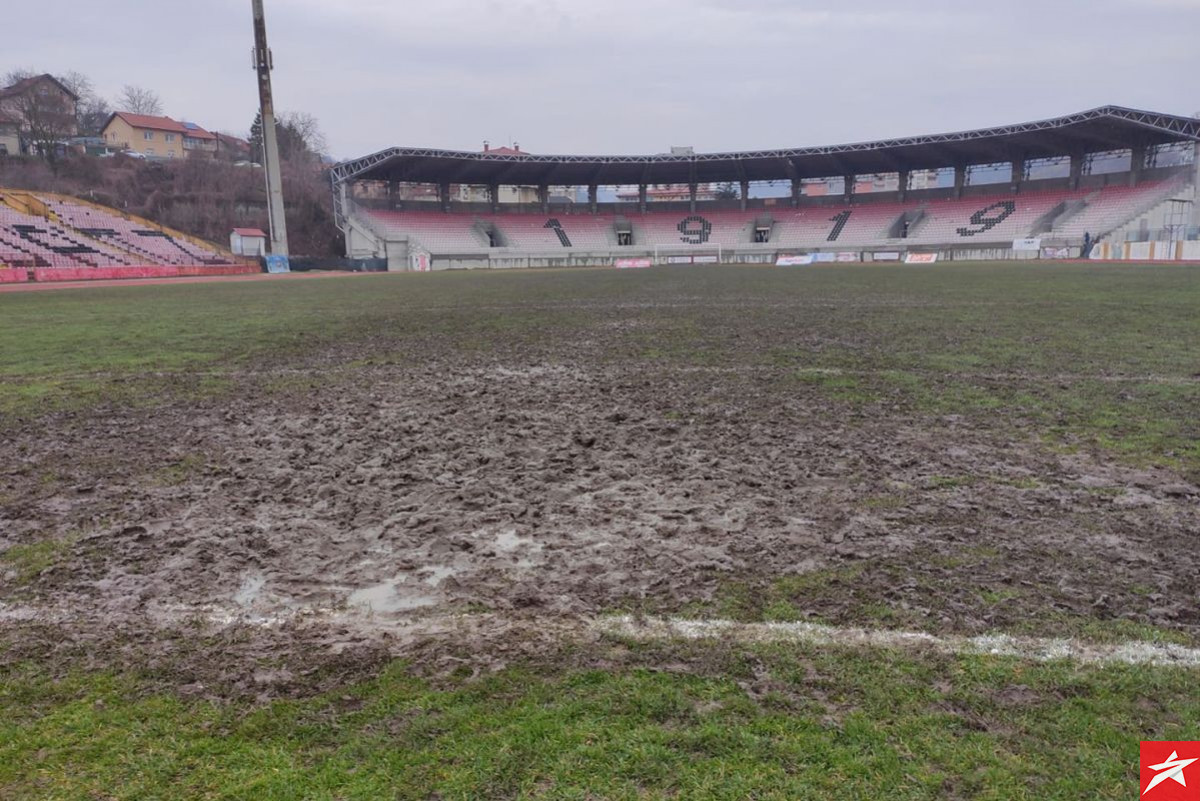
(45, 237)
(1111, 183)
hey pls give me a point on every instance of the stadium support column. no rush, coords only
(960, 179)
(902, 179)
(1137, 163)
(848, 188)
(264, 62)
(1196, 187)
(1018, 174)
(593, 198)
(745, 193)
(1076, 169)
(444, 195)
(796, 193)
(642, 198)
(494, 196)
(693, 188)
(544, 198)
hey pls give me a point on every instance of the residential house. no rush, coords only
(158, 137)
(232, 148)
(10, 135)
(464, 193)
(44, 108)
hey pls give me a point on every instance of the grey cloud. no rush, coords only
(632, 75)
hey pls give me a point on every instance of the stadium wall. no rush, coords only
(59, 274)
(1148, 251)
(1177, 251)
(485, 261)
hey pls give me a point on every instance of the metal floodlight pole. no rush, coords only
(263, 64)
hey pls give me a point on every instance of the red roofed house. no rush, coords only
(232, 147)
(158, 137)
(43, 108)
(508, 194)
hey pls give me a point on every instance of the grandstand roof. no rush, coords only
(1102, 129)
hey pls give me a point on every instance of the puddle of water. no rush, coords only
(436, 574)
(508, 541)
(248, 593)
(386, 598)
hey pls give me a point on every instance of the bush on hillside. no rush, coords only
(201, 197)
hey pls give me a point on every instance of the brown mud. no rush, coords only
(315, 528)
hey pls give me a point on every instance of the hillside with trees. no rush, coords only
(202, 197)
(205, 197)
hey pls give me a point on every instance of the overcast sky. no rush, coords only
(627, 76)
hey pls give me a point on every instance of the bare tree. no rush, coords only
(47, 117)
(93, 114)
(306, 127)
(92, 110)
(78, 83)
(727, 191)
(16, 76)
(137, 100)
(299, 134)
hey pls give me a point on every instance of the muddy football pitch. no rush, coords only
(695, 532)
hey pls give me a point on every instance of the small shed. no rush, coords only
(248, 242)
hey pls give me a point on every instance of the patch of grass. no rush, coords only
(767, 722)
(845, 388)
(949, 482)
(1002, 343)
(179, 472)
(780, 601)
(998, 596)
(886, 502)
(1113, 631)
(925, 592)
(1026, 483)
(31, 559)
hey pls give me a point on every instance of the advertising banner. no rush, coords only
(1027, 245)
(278, 264)
(633, 264)
(886, 255)
(921, 258)
(794, 261)
(847, 257)
(1056, 253)
(1141, 250)
(824, 258)
(704, 259)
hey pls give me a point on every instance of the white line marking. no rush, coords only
(1033, 648)
(1037, 649)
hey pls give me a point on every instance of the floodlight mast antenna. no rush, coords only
(263, 64)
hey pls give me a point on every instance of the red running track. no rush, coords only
(202, 279)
